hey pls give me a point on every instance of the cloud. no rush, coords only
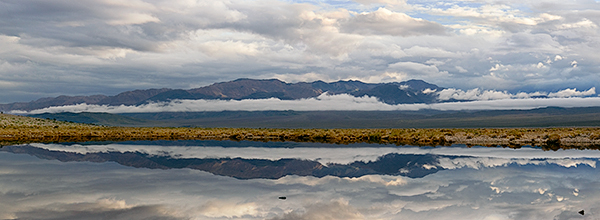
(473, 94)
(391, 2)
(228, 49)
(585, 23)
(135, 25)
(298, 25)
(384, 21)
(323, 102)
(419, 51)
(477, 100)
(573, 93)
(477, 94)
(414, 68)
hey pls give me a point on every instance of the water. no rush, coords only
(256, 180)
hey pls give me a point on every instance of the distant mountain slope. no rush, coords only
(131, 97)
(250, 88)
(47, 102)
(125, 98)
(392, 93)
(401, 93)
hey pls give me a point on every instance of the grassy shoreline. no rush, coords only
(19, 129)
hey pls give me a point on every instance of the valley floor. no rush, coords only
(20, 129)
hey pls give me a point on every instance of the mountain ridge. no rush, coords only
(406, 92)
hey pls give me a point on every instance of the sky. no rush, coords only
(60, 47)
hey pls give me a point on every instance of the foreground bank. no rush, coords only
(19, 129)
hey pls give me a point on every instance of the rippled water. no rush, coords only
(256, 180)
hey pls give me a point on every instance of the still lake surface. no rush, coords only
(287, 180)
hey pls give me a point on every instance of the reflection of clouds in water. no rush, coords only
(228, 209)
(319, 211)
(40, 186)
(478, 157)
(101, 209)
(49, 189)
(367, 179)
(481, 162)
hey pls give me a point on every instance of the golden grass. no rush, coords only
(19, 129)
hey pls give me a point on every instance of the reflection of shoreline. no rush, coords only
(409, 165)
(415, 137)
(395, 164)
(324, 153)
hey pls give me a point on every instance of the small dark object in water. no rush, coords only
(282, 197)
(581, 212)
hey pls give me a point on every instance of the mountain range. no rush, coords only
(407, 92)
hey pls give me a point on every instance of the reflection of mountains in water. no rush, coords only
(409, 165)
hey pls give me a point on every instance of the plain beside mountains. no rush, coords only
(543, 117)
(19, 129)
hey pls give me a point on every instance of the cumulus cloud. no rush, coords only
(384, 21)
(420, 51)
(473, 94)
(573, 93)
(477, 94)
(415, 68)
(392, 2)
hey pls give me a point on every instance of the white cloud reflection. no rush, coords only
(476, 157)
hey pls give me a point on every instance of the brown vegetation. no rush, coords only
(19, 129)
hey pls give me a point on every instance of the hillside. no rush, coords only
(8, 121)
(95, 118)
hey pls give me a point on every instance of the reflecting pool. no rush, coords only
(287, 180)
